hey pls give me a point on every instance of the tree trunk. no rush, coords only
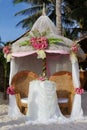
(58, 16)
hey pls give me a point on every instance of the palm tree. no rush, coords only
(68, 14)
(34, 11)
(5, 67)
(58, 16)
(76, 13)
(53, 10)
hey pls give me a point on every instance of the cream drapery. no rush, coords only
(77, 111)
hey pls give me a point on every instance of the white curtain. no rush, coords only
(13, 110)
(43, 103)
(17, 65)
(77, 111)
(25, 63)
(42, 93)
(58, 62)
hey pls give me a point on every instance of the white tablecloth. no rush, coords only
(42, 100)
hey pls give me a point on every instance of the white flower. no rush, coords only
(5, 55)
(41, 54)
(8, 57)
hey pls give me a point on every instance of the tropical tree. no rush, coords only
(5, 67)
(68, 15)
(76, 13)
(58, 16)
(53, 10)
(34, 11)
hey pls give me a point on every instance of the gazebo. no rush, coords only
(57, 52)
(45, 52)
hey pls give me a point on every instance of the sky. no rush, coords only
(8, 29)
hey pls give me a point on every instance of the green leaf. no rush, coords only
(54, 40)
(36, 33)
(24, 43)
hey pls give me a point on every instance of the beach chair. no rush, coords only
(64, 90)
(83, 79)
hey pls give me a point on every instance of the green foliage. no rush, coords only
(54, 40)
(6, 68)
(74, 20)
(24, 43)
(37, 34)
(29, 21)
(34, 11)
(19, 1)
(75, 11)
(33, 1)
(2, 59)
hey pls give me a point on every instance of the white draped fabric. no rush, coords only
(13, 110)
(77, 111)
(43, 103)
(39, 92)
(42, 100)
(54, 63)
(25, 63)
(57, 63)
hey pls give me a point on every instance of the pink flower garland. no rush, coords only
(79, 90)
(6, 50)
(41, 78)
(74, 48)
(10, 90)
(39, 43)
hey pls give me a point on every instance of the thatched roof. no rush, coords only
(42, 24)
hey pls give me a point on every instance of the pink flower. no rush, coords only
(79, 90)
(39, 43)
(6, 50)
(41, 78)
(74, 48)
(10, 90)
